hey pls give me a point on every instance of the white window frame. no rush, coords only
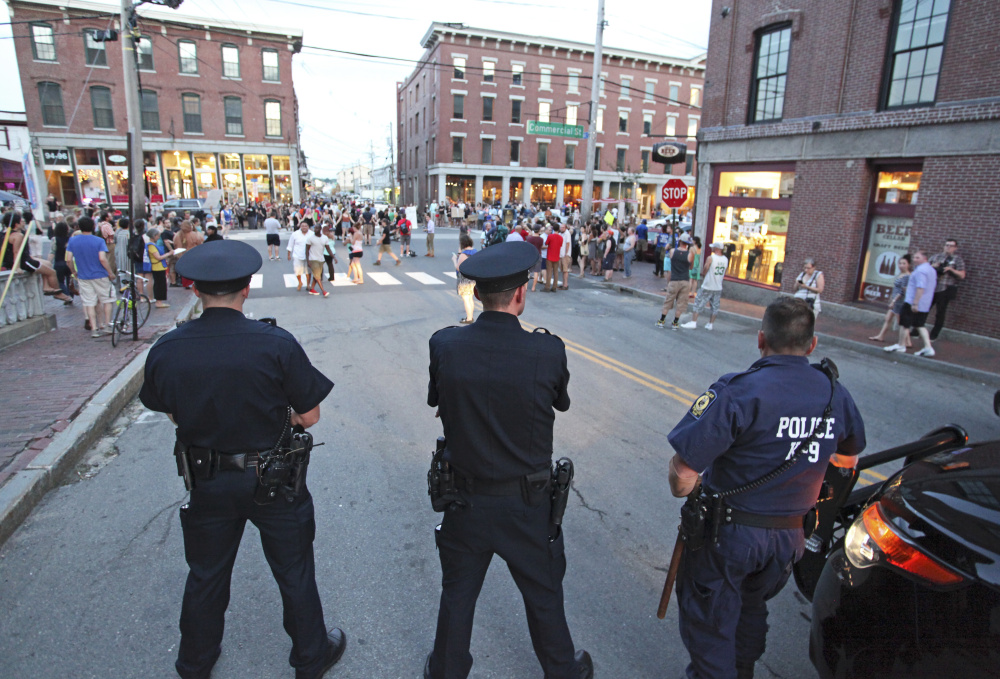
(545, 77)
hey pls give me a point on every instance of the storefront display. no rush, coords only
(281, 168)
(59, 176)
(177, 167)
(492, 189)
(151, 169)
(90, 177)
(258, 177)
(116, 165)
(889, 226)
(232, 177)
(461, 188)
(205, 172)
(543, 192)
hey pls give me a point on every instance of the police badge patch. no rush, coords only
(702, 403)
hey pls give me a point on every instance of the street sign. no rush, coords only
(674, 193)
(555, 129)
(669, 152)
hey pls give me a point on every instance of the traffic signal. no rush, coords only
(669, 152)
(172, 4)
(109, 35)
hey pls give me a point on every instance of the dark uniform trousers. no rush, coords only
(213, 526)
(519, 534)
(722, 592)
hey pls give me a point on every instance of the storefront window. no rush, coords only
(516, 191)
(258, 177)
(756, 184)
(888, 232)
(204, 164)
(461, 188)
(232, 180)
(543, 191)
(154, 189)
(899, 188)
(572, 192)
(116, 164)
(281, 163)
(177, 168)
(255, 162)
(283, 188)
(492, 189)
(754, 242)
(91, 185)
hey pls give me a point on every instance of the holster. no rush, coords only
(535, 488)
(441, 486)
(283, 472)
(195, 464)
(562, 479)
(695, 515)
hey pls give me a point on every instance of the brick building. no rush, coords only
(218, 106)
(853, 132)
(463, 119)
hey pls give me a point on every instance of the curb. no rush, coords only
(950, 369)
(25, 489)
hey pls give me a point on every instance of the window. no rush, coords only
(600, 120)
(94, 51)
(620, 160)
(768, 92)
(543, 154)
(644, 162)
(696, 96)
(489, 71)
(234, 115)
(43, 43)
(623, 121)
(50, 96)
(230, 61)
(269, 58)
(515, 111)
(671, 126)
(515, 150)
(457, 144)
(570, 156)
(650, 90)
(487, 151)
(571, 114)
(647, 124)
(915, 60)
(187, 52)
(459, 63)
(602, 85)
(191, 106)
(100, 103)
(517, 74)
(626, 91)
(574, 82)
(458, 110)
(544, 108)
(144, 53)
(487, 108)
(692, 126)
(597, 158)
(546, 80)
(272, 118)
(675, 93)
(150, 110)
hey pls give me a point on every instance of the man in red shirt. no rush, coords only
(554, 245)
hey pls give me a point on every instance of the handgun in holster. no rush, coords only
(562, 480)
(441, 486)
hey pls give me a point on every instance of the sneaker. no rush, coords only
(690, 325)
(398, 262)
(928, 352)
(378, 263)
(312, 292)
(895, 348)
(708, 326)
(326, 293)
(659, 324)
(674, 325)
(96, 334)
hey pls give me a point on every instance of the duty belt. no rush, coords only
(228, 461)
(484, 487)
(742, 518)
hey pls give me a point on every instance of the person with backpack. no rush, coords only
(404, 227)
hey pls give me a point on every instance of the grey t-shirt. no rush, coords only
(272, 225)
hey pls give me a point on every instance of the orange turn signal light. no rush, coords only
(903, 555)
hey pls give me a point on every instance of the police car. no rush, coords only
(905, 580)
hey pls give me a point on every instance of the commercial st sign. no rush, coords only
(555, 129)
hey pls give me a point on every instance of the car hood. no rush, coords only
(949, 505)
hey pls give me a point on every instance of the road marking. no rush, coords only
(341, 281)
(256, 281)
(424, 278)
(451, 274)
(383, 278)
(291, 281)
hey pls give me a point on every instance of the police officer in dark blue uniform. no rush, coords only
(495, 386)
(746, 425)
(229, 407)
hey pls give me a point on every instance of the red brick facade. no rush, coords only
(837, 129)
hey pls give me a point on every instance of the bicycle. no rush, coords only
(122, 325)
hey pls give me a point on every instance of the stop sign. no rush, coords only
(674, 193)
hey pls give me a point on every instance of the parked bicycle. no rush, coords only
(122, 325)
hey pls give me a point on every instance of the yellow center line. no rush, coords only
(680, 399)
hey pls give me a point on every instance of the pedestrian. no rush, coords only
(297, 253)
(466, 286)
(269, 387)
(212, 232)
(664, 243)
(630, 244)
(641, 240)
(121, 246)
(316, 244)
(809, 284)
(272, 229)
(680, 267)
(714, 272)
(916, 305)
(330, 249)
(896, 298)
(385, 244)
(566, 255)
(502, 457)
(950, 268)
(87, 257)
(354, 272)
(610, 246)
(695, 267)
(429, 228)
(584, 248)
(538, 241)
(405, 233)
(553, 256)
(156, 251)
(187, 239)
(745, 426)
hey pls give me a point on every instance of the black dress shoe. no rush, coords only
(427, 666)
(338, 642)
(584, 665)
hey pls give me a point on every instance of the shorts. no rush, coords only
(404, 240)
(676, 298)
(273, 239)
(316, 268)
(908, 318)
(94, 291)
(383, 247)
(640, 246)
(566, 263)
(539, 265)
(356, 255)
(299, 266)
(29, 264)
(608, 264)
(713, 298)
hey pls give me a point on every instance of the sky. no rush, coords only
(347, 104)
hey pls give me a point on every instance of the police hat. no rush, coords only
(220, 267)
(500, 267)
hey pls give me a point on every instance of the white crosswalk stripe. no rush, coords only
(340, 281)
(424, 278)
(383, 278)
(289, 280)
(257, 281)
(451, 274)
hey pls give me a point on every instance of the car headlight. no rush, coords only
(871, 540)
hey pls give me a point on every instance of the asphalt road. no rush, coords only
(92, 582)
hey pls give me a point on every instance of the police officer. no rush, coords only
(746, 425)
(495, 386)
(230, 406)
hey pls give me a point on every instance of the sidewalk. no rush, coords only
(954, 356)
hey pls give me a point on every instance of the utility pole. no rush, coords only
(392, 169)
(371, 167)
(587, 198)
(133, 111)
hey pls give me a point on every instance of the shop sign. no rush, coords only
(119, 199)
(888, 241)
(753, 229)
(156, 198)
(55, 156)
(117, 158)
(555, 129)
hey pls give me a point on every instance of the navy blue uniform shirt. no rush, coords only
(228, 381)
(496, 386)
(748, 423)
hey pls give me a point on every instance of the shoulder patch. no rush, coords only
(703, 403)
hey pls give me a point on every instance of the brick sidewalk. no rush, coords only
(948, 350)
(48, 379)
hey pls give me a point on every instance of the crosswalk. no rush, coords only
(381, 278)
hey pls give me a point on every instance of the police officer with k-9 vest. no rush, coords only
(751, 455)
(496, 387)
(243, 451)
